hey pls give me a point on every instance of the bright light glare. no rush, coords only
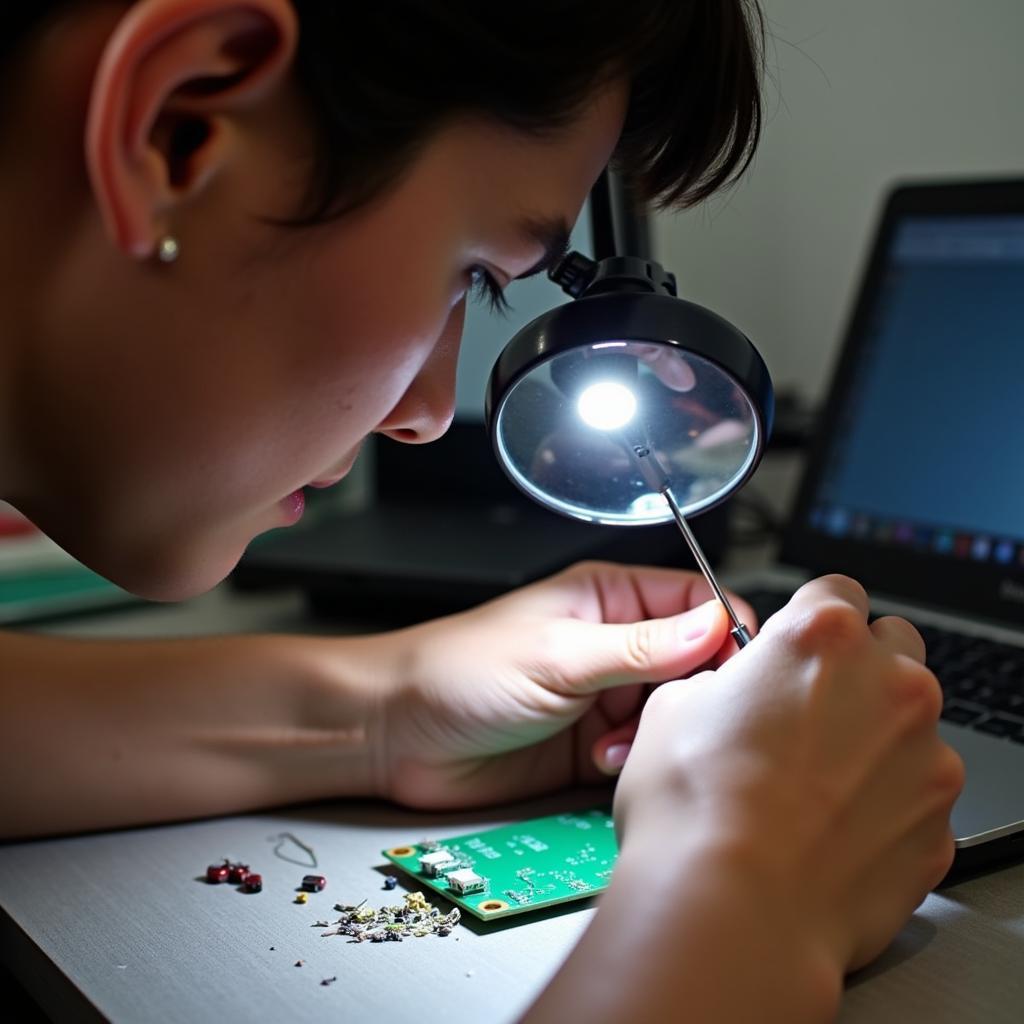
(607, 406)
(648, 505)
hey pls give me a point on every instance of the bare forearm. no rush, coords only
(102, 734)
(692, 938)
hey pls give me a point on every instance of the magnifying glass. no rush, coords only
(630, 406)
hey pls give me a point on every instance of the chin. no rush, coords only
(164, 572)
(167, 562)
(178, 576)
(169, 587)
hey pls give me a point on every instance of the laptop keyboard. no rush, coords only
(982, 680)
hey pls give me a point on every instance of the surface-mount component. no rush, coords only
(436, 863)
(466, 881)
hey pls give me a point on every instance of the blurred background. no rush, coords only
(860, 94)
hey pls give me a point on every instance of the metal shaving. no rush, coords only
(416, 917)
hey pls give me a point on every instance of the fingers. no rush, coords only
(609, 753)
(891, 631)
(830, 589)
(896, 635)
(599, 656)
(902, 878)
(611, 592)
(669, 366)
(724, 432)
(621, 704)
(899, 636)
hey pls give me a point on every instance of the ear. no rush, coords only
(159, 123)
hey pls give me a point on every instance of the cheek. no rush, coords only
(285, 389)
(368, 340)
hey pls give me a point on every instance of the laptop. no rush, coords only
(914, 484)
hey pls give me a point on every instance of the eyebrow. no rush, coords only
(552, 234)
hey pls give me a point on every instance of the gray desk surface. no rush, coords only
(117, 924)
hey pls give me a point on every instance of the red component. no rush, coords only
(253, 883)
(238, 873)
(217, 873)
(313, 883)
(15, 527)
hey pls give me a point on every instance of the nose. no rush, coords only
(426, 409)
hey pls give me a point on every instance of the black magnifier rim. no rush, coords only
(642, 317)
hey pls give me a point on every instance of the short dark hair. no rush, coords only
(382, 77)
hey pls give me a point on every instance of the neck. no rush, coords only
(44, 200)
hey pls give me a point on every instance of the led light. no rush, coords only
(607, 406)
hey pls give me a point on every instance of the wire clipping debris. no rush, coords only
(416, 918)
(282, 839)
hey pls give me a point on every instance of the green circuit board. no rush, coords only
(517, 868)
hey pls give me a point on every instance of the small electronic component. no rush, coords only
(229, 871)
(466, 881)
(238, 873)
(436, 862)
(217, 873)
(314, 883)
(390, 881)
(518, 868)
(301, 897)
(253, 883)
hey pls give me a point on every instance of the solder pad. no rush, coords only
(526, 866)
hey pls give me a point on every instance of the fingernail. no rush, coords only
(615, 756)
(699, 621)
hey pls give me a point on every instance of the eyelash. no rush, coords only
(483, 285)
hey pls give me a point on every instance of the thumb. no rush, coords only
(651, 650)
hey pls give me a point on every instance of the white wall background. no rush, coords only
(862, 93)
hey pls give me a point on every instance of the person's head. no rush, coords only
(337, 176)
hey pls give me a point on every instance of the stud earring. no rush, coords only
(168, 249)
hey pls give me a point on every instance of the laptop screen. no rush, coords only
(929, 446)
(916, 481)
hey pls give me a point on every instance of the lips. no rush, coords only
(293, 506)
(329, 482)
(338, 474)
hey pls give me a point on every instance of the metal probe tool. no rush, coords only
(739, 631)
(642, 451)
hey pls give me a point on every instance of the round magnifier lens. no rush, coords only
(598, 431)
